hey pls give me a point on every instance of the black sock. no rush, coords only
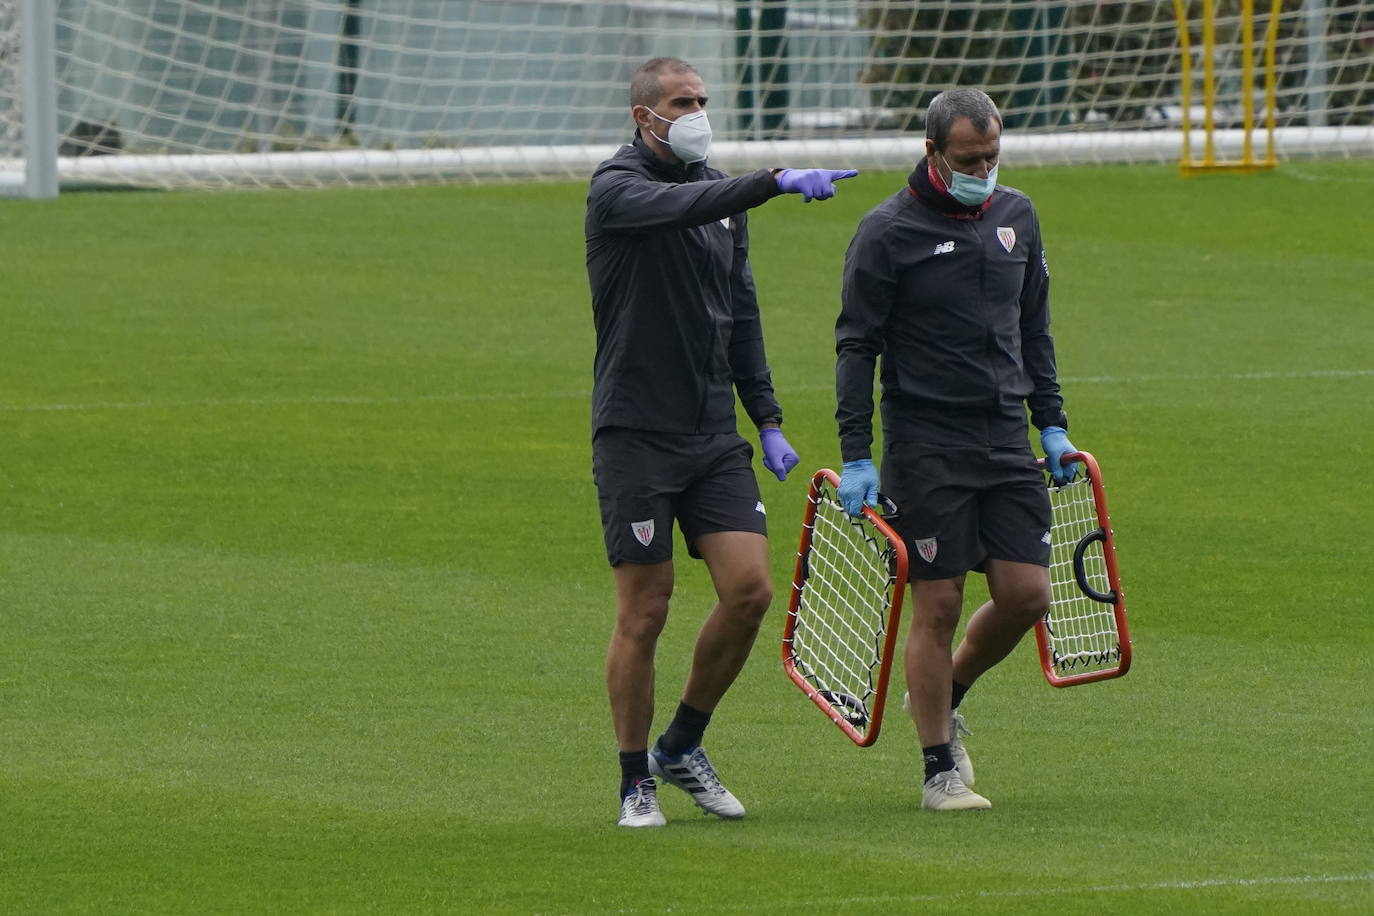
(938, 759)
(685, 731)
(634, 765)
(957, 696)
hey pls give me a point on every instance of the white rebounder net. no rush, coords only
(1082, 632)
(843, 610)
(230, 93)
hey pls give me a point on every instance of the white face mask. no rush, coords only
(689, 137)
(970, 191)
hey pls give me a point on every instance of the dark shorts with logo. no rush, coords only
(646, 480)
(959, 507)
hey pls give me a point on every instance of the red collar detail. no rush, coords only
(937, 180)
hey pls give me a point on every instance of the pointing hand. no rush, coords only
(818, 184)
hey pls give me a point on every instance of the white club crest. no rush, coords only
(643, 531)
(927, 548)
(1007, 236)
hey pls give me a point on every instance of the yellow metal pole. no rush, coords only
(1185, 48)
(1271, 40)
(1247, 80)
(1209, 41)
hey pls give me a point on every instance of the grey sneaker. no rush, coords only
(640, 807)
(693, 774)
(957, 729)
(947, 792)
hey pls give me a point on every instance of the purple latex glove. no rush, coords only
(817, 184)
(778, 456)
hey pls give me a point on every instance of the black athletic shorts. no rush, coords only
(645, 480)
(959, 507)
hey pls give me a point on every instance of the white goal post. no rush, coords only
(310, 93)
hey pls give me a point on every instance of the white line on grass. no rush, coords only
(828, 903)
(460, 397)
(1308, 176)
(306, 400)
(1236, 377)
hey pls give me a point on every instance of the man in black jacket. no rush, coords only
(948, 281)
(677, 334)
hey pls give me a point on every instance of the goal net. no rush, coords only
(219, 93)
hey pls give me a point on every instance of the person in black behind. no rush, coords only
(948, 280)
(677, 335)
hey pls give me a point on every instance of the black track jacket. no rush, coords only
(956, 299)
(677, 321)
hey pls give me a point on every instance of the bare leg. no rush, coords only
(1020, 596)
(937, 604)
(642, 594)
(738, 561)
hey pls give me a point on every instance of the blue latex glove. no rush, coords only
(1055, 441)
(818, 184)
(858, 486)
(778, 456)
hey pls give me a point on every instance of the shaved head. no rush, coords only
(647, 86)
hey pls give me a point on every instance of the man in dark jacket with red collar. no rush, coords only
(677, 335)
(948, 281)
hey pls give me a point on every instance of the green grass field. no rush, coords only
(303, 603)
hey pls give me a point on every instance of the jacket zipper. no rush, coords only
(990, 337)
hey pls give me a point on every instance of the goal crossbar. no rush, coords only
(576, 162)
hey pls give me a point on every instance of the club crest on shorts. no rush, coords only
(1007, 236)
(643, 531)
(927, 548)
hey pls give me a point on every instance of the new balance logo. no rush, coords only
(944, 248)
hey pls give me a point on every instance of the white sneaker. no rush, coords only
(640, 807)
(957, 729)
(947, 792)
(693, 774)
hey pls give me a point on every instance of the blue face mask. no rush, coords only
(970, 191)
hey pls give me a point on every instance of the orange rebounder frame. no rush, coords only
(1084, 636)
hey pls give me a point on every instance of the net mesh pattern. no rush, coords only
(842, 616)
(1082, 632)
(361, 91)
(11, 120)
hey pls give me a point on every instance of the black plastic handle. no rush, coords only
(1081, 574)
(851, 709)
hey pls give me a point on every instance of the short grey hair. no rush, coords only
(646, 88)
(953, 105)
